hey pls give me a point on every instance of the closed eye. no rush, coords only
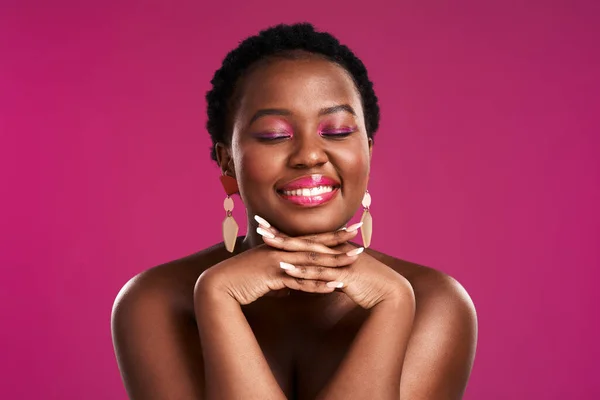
(273, 137)
(340, 133)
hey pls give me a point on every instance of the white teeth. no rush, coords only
(307, 192)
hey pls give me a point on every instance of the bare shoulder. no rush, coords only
(443, 342)
(428, 283)
(172, 282)
(154, 332)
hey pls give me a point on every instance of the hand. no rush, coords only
(258, 271)
(367, 281)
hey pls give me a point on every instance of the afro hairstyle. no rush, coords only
(281, 41)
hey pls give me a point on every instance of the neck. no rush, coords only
(252, 238)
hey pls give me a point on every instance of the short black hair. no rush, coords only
(280, 40)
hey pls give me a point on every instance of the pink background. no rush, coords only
(485, 167)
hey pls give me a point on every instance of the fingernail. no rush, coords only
(285, 265)
(335, 284)
(262, 221)
(342, 229)
(354, 227)
(262, 232)
(355, 252)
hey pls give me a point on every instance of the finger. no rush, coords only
(345, 247)
(263, 223)
(331, 239)
(306, 285)
(313, 258)
(272, 230)
(293, 244)
(316, 272)
(328, 239)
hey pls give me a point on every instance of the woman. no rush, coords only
(294, 309)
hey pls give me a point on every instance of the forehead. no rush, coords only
(303, 86)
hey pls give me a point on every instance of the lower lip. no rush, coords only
(310, 201)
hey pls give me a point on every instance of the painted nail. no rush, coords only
(285, 265)
(262, 221)
(265, 233)
(342, 228)
(335, 284)
(354, 227)
(355, 252)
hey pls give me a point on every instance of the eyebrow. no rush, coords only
(281, 111)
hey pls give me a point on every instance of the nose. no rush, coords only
(308, 151)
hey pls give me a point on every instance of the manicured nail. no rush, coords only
(262, 221)
(335, 284)
(285, 265)
(354, 227)
(265, 233)
(355, 252)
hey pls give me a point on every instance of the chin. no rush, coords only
(305, 224)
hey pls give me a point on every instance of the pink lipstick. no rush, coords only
(309, 191)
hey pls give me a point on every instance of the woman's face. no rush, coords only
(299, 124)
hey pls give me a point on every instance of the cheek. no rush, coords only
(255, 166)
(355, 162)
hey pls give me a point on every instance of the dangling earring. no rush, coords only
(230, 227)
(367, 227)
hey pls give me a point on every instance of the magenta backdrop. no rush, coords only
(485, 167)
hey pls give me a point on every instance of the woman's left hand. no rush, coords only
(367, 281)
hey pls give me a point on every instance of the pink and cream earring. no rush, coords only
(367, 221)
(230, 227)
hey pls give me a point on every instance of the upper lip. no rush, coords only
(309, 181)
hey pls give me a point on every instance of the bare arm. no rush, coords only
(373, 365)
(158, 351)
(442, 347)
(235, 367)
(394, 357)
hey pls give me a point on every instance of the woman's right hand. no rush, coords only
(258, 271)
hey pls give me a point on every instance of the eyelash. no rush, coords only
(273, 138)
(335, 134)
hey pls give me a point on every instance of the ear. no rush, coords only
(224, 159)
(370, 148)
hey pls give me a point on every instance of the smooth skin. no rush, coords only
(220, 325)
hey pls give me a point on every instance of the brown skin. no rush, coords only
(214, 325)
(303, 88)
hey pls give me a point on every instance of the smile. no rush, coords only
(309, 191)
(309, 197)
